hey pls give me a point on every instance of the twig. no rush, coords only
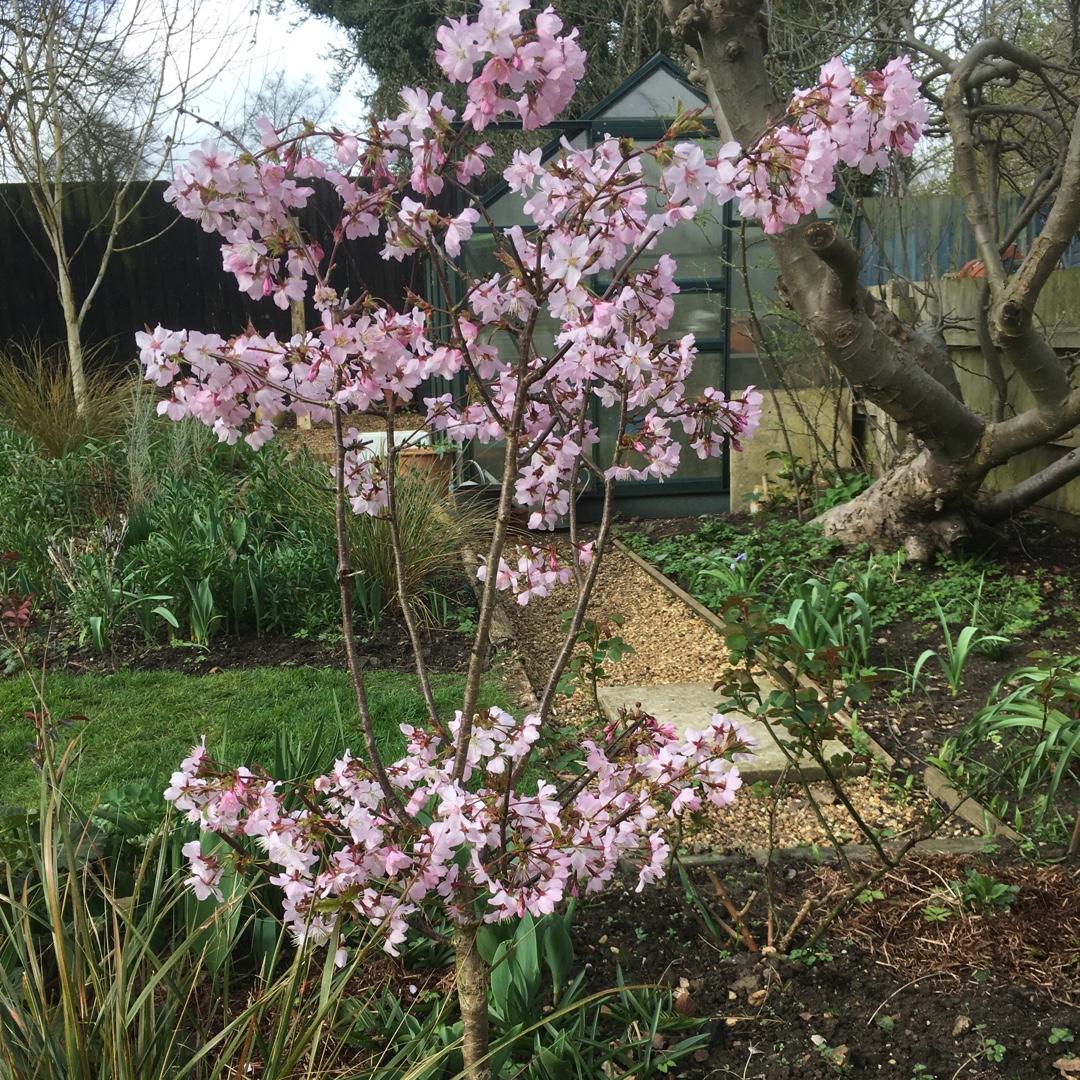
(375, 762)
(898, 990)
(733, 911)
(785, 941)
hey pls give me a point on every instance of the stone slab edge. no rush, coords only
(935, 781)
(855, 853)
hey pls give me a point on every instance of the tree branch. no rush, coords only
(833, 307)
(838, 312)
(998, 506)
(968, 178)
(1013, 303)
(1055, 236)
(1032, 428)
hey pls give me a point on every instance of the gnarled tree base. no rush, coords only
(915, 507)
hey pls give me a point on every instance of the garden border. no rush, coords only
(934, 780)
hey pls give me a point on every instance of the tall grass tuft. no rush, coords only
(433, 529)
(93, 982)
(433, 533)
(37, 400)
(158, 448)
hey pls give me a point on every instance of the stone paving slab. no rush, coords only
(691, 705)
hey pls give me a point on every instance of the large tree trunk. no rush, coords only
(927, 501)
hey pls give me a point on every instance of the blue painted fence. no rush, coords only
(924, 237)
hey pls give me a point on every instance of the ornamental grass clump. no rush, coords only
(460, 825)
(37, 400)
(111, 969)
(434, 531)
(86, 989)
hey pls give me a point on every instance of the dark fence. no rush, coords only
(165, 270)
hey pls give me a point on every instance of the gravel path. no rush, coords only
(673, 644)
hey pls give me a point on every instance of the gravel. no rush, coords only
(673, 644)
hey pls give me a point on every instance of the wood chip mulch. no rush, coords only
(1037, 940)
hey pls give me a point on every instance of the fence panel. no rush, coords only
(165, 270)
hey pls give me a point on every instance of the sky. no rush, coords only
(257, 46)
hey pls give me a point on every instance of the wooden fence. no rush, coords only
(921, 238)
(166, 270)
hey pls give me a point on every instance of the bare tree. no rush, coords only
(284, 102)
(1011, 117)
(86, 92)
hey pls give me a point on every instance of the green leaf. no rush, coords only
(237, 532)
(488, 939)
(559, 953)
(213, 926)
(264, 938)
(502, 980)
(858, 691)
(167, 615)
(526, 955)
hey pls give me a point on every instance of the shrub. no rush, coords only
(60, 497)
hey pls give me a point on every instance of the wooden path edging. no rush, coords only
(934, 780)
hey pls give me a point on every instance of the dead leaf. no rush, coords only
(684, 1003)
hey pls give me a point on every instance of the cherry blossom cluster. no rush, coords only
(537, 570)
(343, 854)
(590, 214)
(539, 65)
(790, 170)
(857, 121)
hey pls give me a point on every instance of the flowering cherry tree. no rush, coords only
(451, 822)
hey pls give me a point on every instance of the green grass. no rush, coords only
(140, 725)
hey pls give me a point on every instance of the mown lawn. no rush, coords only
(140, 725)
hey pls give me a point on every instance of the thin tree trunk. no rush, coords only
(472, 991)
(74, 340)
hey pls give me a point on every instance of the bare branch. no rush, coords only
(998, 506)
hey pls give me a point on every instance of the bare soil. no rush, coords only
(389, 649)
(888, 994)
